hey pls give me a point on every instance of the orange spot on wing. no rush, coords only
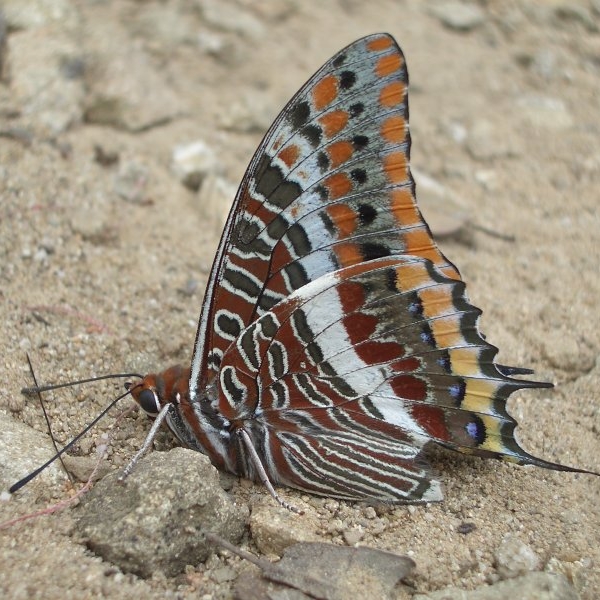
(465, 362)
(446, 332)
(339, 152)
(450, 271)
(325, 92)
(404, 208)
(380, 43)
(333, 122)
(344, 219)
(393, 129)
(392, 94)
(411, 276)
(396, 167)
(348, 254)
(289, 155)
(338, 185)
(436, 301)
(420, 243)
(387, 65)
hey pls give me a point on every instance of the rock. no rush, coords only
(328, 572)
(440, 207)
(353, 536)
(544, 63)
(485, 142)
(571, 11)
(565, 352)
(131, 181)
(534, 586)
(154, 521)
(23, 449)
(82, 467)
(48, 91)
(546, 112)
(214, 200)
(126, 91)
(274, 528)
(458, 16)
(193, 162)
(252, 113)
(92, 221)
(514, 557)
(231, 18)
(29, 14)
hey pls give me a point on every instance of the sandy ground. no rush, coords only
(103, 264)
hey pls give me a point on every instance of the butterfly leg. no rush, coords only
(264, 478)
(147, 443)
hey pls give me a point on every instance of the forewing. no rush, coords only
(328, 187)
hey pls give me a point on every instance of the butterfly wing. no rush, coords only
(342, 383)
(328, 187)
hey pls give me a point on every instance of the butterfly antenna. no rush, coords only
(47, 418)
(32, 391)
(17, 486)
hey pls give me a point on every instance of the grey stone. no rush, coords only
(486, 142)
(545, 112)
(131, 181)
(252, 113)
(121, 100)
(230, 18)
(329, 572)
(42, 84)
(274, 528)
(214, 200)
(458, 16)
(571, 11)
(534, 586)
(193, 162)
(155, 520)
(353, 536)
(29, 14)
(23, 449)
(514, 557)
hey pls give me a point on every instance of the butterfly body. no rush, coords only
(336, 340)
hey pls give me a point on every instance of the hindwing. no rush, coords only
(343, 382)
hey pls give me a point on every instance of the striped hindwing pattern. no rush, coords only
(342, 383)
(328, 187)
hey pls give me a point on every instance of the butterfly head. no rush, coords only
(155, 390)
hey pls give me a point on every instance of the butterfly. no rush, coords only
(335, 340)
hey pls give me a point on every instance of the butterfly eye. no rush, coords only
(149, 402)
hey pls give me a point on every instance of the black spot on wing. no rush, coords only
(366, 214)
(359, 175)
(323, 162)
(372, 251)
(356, 109)
(360, 141)
(347, 79)
(339, 60)
(299, 114)
(228, 325)
(299, 240)
(313, 135)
